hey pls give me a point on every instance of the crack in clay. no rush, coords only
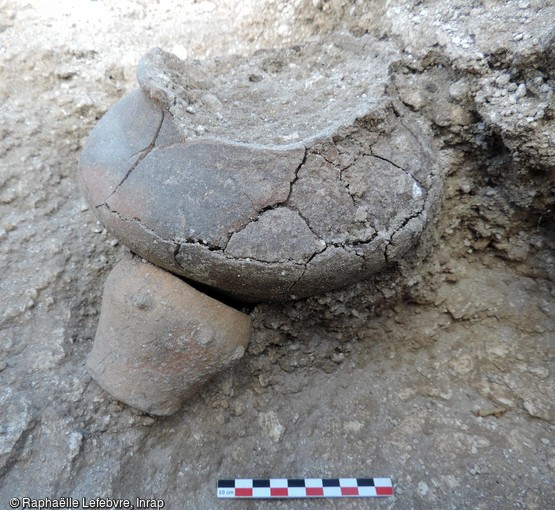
(265, 262)
(340, 171)
(343, 213)
(389, 241)
(400, 118)
(355, 200)
(143, 153)
(377, 156)
(139, 222)
(327, 160)
(357, 242)
(293, 208)
(347, 186)
(304, 270)
(192, 242)
(231, 178)
(322, 241)
(258, 213)
(296, 176)
(178, 244)
(344, 247)
(269, 207)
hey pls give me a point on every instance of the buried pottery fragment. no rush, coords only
(294, 177)
(274, 189)
(158, 339)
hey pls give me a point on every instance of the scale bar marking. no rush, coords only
(269, 488)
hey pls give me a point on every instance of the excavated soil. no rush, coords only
(438, 373)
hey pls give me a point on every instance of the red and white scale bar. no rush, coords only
(270, 488)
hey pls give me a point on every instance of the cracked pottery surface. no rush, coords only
(215, 171)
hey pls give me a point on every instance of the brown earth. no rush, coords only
(438, 373)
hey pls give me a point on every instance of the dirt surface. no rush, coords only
(272, 97)
(438, 373)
